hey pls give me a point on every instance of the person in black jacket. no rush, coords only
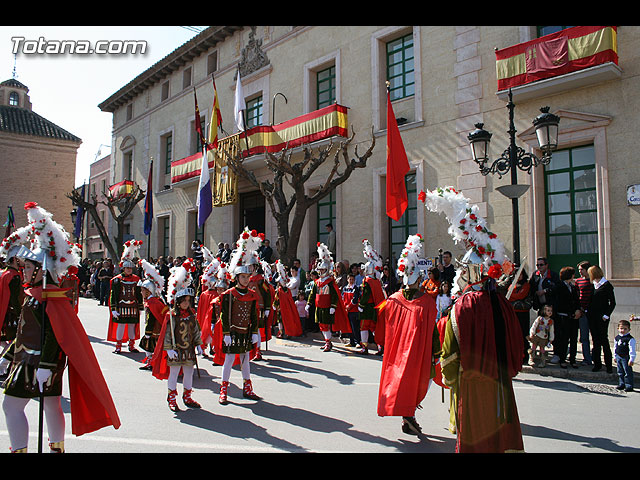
(601, 306)
(542, 283)
(567, 312)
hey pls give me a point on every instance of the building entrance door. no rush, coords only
(252, 211)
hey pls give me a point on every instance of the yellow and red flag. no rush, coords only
(559, 53)
(216, 118)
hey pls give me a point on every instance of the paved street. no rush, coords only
(325, 403)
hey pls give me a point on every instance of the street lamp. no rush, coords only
(514, 158)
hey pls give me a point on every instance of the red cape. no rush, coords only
(159, 366)
(378, 298)
(442, 327)
(113, 326)
(218, 336)
(5, 294)
(341, 318)
(206, 306)
(92, 407)
(289, 313)
(406, 364)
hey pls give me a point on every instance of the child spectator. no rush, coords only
(301, 303)
(625, 355)
(541, 333)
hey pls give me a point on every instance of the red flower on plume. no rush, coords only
(472, 216)
(422, 196)
(401, 267)
(463, 221)
(495, 271)
(245, 235)
(128, 243)
(29, 205)
(254, 233)
(479, 228)
(262, 237)
(318, 244)
(493, 235)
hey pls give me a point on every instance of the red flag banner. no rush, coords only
(559, 53)
(121, 189)
(397, 167)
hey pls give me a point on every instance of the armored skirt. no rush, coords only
(182, 334)
(29, 354)
(239, 319)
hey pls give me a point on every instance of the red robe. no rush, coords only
(378, 297)
(289, 313)
(406, 364)
(205, 313)
(255, 282)
(6, 277)
(479, 427)
(92, 407)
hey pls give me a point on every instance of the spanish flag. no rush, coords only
(121, 189)
(216, 118)
(559, 53)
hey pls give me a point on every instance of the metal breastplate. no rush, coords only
(240, 320)
(29, 333)
(127, 304)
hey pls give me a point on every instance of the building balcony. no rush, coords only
(561, 61)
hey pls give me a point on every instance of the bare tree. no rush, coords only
(296, 174)
(120, 208)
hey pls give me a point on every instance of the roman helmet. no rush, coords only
(179, 283)
(325, 261)
(283, 277)
(152, 280)
(50, 246)
(373, 267)
(11, 245)
(130, 253)
(244, 258)
(485, 256)
(408, 263)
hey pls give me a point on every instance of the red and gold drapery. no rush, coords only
(559, 53)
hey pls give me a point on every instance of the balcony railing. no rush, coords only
(556, 54)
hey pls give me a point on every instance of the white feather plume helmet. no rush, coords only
(408, 267)
(467, 226)
(152, 274)
(19, 237)
(222, 276)
(245, 252)
(130, 252)
(179, 280)
(325, 260)
(207, 256)
(267, 270)
(51, 238)
(209, 275)
(374, 263)
(283, 277)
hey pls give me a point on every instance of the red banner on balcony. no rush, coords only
(559, 53)
(311, 127)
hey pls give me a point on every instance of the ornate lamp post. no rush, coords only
(514, 158)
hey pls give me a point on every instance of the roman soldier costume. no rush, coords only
(265, 292)
(49, 340)
(412, 344)
(482, 348)
(330, 312)
(180, 338)
(155, 310)
(208, 294)
(371, 295)
(239, 319)
(125, 301)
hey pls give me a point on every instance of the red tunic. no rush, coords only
(6, 277)
(406, 364)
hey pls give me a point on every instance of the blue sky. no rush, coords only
(66, 89)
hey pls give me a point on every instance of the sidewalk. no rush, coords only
(581, 374)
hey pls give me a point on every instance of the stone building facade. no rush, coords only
(444, 81)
